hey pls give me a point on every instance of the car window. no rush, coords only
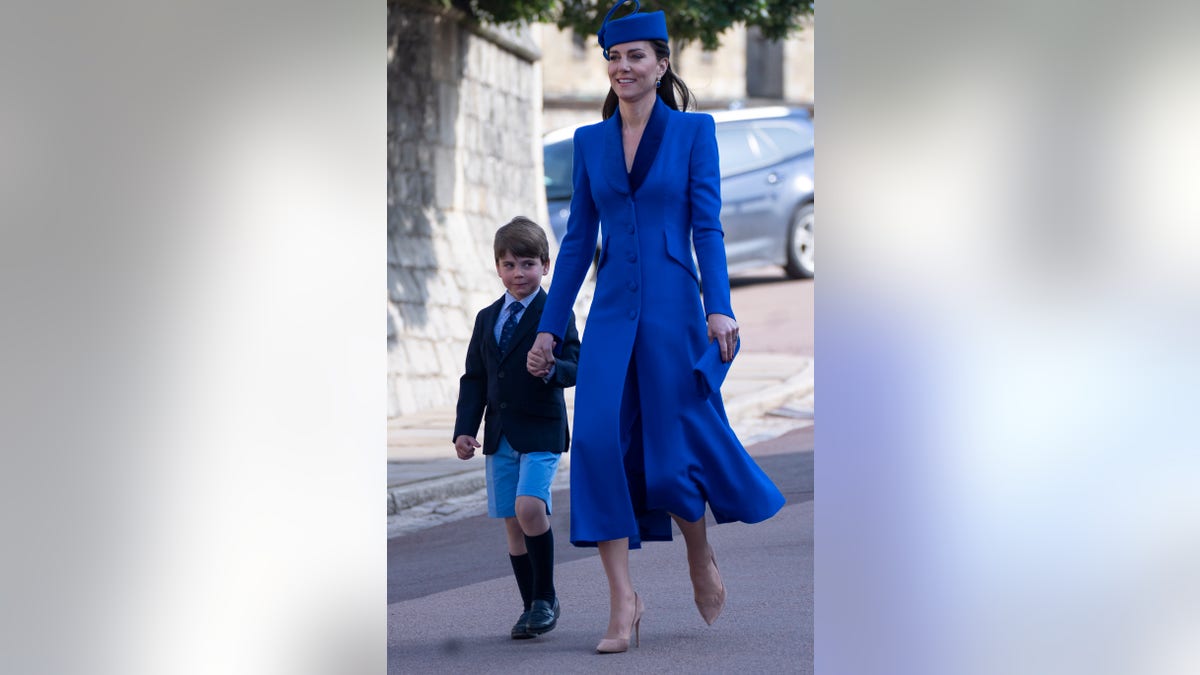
(788, 139)
(739, 149)
(557, 158)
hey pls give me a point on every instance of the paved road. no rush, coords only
(775, 313)
(451, 598)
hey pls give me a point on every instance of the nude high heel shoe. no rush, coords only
(710, 605)
(618, 645)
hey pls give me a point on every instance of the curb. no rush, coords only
(759, 402)
(436, 489)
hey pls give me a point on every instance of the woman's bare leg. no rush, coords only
(614, 555)
(707, 587)
(695, 535)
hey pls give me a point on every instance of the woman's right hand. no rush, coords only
(541, 355)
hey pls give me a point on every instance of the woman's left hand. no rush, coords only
(541, 355)
(724, 330)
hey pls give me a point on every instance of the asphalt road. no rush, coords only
(451, 598)
(473, 549)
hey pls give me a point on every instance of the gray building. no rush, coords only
(745, 71)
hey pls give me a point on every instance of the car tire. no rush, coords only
(800, 240)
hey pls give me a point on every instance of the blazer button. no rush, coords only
(632, 315)
(632, 286)
(632, 257)
(503, 406)
(502, 374)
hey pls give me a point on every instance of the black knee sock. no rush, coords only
(541, 558)
(523, 570)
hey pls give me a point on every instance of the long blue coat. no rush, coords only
(649, 439)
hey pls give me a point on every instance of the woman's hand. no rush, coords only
(541, 355)
(724, 330)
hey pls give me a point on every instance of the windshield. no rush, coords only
(557, 159)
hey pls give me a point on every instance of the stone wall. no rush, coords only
(464, 157)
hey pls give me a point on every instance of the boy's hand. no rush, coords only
(465, 446)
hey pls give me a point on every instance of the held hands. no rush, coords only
(541, 355)
(724, 330)
(465, 446)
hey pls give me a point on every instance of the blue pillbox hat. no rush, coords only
(635, 26)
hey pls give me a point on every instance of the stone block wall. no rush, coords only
(464, 157)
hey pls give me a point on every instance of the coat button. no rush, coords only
(632, 315)
(502, 374)
(503, 406)
(632, 285)
(632, 257)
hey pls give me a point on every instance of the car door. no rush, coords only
(789, 172)
(749, 187)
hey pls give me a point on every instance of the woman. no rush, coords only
(652, 442)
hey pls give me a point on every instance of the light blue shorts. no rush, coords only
(510, 474)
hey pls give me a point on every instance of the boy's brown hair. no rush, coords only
(523, 238)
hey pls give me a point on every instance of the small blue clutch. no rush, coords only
(710, 372)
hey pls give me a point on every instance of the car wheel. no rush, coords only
(800, 239)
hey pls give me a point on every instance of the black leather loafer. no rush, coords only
(520, 629)
(543, 616)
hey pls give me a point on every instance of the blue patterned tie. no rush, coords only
(510, 325)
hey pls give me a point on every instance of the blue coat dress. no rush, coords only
(649, 438)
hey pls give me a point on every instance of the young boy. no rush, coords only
(526, 417)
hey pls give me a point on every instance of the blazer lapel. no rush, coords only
(489, 332)
(614, 155)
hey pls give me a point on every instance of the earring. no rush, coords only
(657, 83)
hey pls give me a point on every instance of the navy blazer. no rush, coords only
(498, 389)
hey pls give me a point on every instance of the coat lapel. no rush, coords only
(626, 182)
(614, 155)
(647, 149)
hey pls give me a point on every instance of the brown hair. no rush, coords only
(523, 238)
(671, 85)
